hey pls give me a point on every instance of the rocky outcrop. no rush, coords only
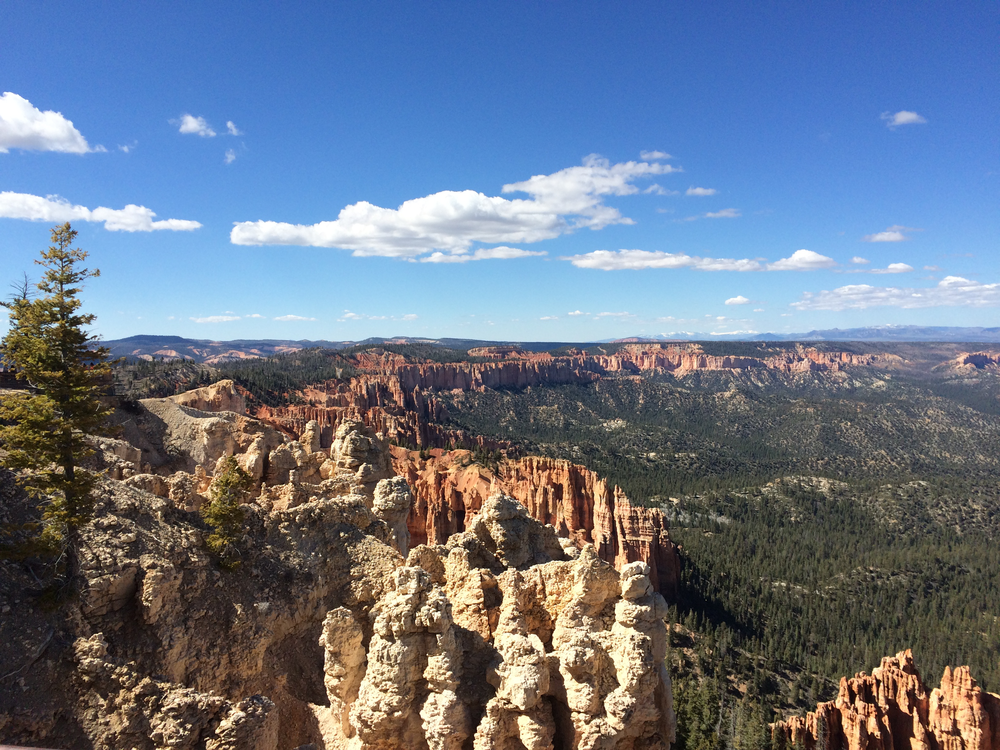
(222, 396)
(891, 709)
(449, 487)
(162, 649)
(970, 363)
(571, 652)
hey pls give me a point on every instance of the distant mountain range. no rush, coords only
(970, 334)
(208, 351)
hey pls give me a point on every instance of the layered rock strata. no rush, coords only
(449, 487)
(397, 397)
(892, 709)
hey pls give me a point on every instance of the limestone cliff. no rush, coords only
(891, 709)
(448, 488)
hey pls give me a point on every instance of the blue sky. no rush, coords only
(527, 171)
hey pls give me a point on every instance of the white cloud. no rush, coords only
(255, 315)
(895, 233)
(758, 309)
(348, 315)
(859, 261)
(575, 313)
(216, 319)
(128, 147)
(654, 155)
(231, 127)
(230, 156)
(932, 268)
(700, 191)
(54, 209)
(802, 260)
(903, 117)
(608, 260)
(451, 221)
(286, 318)
(484, 253)
(738, 300)
(26, 127)
(655, 189)
(951, 291)
(894, 268)
(549, 317)
(189, 124)
(614, 315)
(726, 213)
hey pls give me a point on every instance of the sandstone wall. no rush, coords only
(449, 488)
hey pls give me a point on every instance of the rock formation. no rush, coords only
(449, 487)
(891, 709)
(571, 652)
(397, 397)
(503, 635)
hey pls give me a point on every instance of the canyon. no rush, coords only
(336, 628)
(398, 397)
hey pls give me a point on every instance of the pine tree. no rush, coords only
(224, 512)
(48, 346)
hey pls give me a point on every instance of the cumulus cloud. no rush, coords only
(608, 260)
(287, 318)
(700, 191)
(802, 260)
(24, 126)
(232, 129)
(758, 309)
(895, 233)
(191, 125)
(894, 268)
(951, 291)
(654, 155)
(409, 316)
(614, 315)
(230, 156)
(726, 213)
(903, 117)
(738, 300)
(255, 315)
(53, 209)
(484, 253)
(575, 313)
(452, 221)
(217, 318)
(549, 317)
(859, 261)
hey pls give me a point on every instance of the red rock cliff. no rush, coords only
(448, 488)
(396, 397)
(891, 709)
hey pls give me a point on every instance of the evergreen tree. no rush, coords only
(45, 429)
(224, 512)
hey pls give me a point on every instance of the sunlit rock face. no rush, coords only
(891, 709)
